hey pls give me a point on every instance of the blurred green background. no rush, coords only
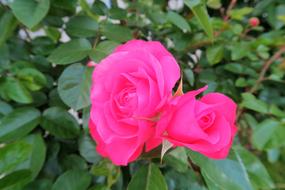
(44, 90)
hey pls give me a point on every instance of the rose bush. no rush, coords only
(48, 50)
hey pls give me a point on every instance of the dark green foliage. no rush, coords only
(44, 91)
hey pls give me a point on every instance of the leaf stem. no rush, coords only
(266, 66)
(261, 77)
(230, 7)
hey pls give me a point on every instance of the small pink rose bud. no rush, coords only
(254, 21)
(91, 64)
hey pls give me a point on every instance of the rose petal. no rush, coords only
(226, 106)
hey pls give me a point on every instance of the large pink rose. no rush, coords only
(206, 125)
(129, 89)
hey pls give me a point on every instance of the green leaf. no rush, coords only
(250, 102)
(258, 174)
(224, 174)
(117, 13)
(240, 69)
(200, 11)
(16, 91)
(30, 12)
(36, 157)
(87, 149)
(184, 181)
(241, 82)
(239, 50)
(18, 123)
(73, 161)
(5, 108)
(66, 5)
(103, 168)
(268, 134)
(85, 119)
(55, 100)
(26, 169)
(277, 140)
(32, 78)
(178, 21)
(70, 52)
(214, 4)
(53, 33)
(148, 178)
(117, 33)
(178, 159)
(4, 56)
(239, 14)
(39, 184)
(7, 25)
(52, 166)
(215, 54)
(73, 180)
(15, 180)
(102, 50)
(82, 26)
(273, 155)
(74, 86)
(264, 132)
(12, 155)
(262, 51)
(84, 5)
(189, 76)
(106, 168)
(60, 123)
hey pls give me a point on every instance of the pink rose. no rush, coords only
(129, 89)
(206, 125)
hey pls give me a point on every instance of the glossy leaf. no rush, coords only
(18, 123)
(87, 149)
(72, 180)
(250, 102)
(258, 174)
(82, 26)
(117, 33)
(73, 161)
(60, 123)
(12, 155)
(5, 108)
(178, 159)
(70, 52)
(37, 156)
(74, 86)
(102, 50)
(200, 12)
(40, 184)
(189, 75)
(215, 54)
(32, 78)
(30, 12)
(148, 178)
(16, 180)
(225, 174)
(178, 21)
(15, 90)
(7, 24)
(264, 132)
(240, 13)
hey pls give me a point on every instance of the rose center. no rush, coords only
(206, 120)
(126, 100)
